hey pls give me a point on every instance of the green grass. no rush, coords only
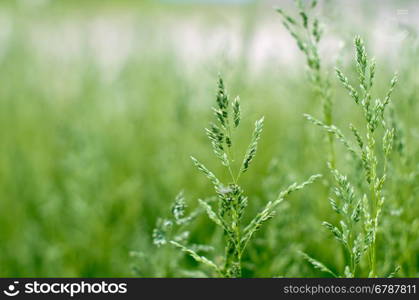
(90, 159)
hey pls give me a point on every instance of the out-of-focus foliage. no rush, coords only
(103, 102)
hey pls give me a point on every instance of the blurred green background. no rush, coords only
(103, 102)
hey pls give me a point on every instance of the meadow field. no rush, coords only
(103, 103)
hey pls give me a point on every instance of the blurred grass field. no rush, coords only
(103, 102)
